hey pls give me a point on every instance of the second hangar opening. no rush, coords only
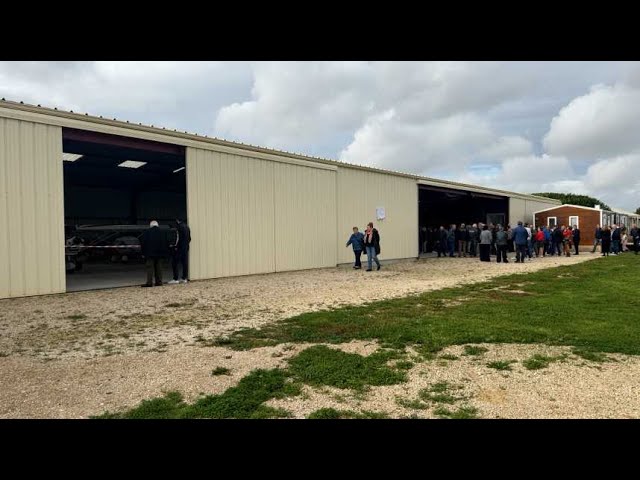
(445, 206)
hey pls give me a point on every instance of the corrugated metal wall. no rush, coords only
(517, 210)
(250, 216)
(360, 193)
(230, 208)
(305, 226)
(31, 209)
(522, 210)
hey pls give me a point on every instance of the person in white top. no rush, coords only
(529, 241)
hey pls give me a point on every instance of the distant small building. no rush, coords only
(585, 218)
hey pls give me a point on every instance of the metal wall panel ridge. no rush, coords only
(31, 209)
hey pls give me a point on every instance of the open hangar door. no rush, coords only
(113, 187)
(442, 206)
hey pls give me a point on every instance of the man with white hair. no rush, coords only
(155, 247)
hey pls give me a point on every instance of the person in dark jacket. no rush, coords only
(443, 235)
(520, 239)
(462, 237)
(576, 239)
(372, 244)
(557, 238)
(474, 236)
(501, 245)
(356, 240)
(635, 235)
(606, 241)
(451, 240)
(181, 252)
(424, 235)
(155, 247)
(615, 239)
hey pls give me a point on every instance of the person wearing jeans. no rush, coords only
(181, 252)
(372, 244)
(357, 242)
(615, 240)
(597, 239)
(521, 240)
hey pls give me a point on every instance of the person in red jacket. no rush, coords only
(540, 242)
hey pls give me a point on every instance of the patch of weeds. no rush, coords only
(320, 365)
(277, 354)
(141, 344)
(333, 414)
(501, 364)
(361, 395)
(590, 355)
(537, 362)
(448, 356)
(340, 398)
(465, 412)
(412, 404)
(404, 365)
(3, 354)
(474, 350)
(220, 371)
(439, 393)
(76, 317)
(242, 401)
(428, 351)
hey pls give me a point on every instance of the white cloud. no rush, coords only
(603, 123)
(296, 104)
(181, 95)
(385, 141)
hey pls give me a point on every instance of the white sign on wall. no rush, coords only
(380, 215)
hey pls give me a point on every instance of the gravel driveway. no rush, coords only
(74, 355)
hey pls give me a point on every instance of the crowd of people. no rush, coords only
(615, 239)
(476, 240)
(480, 240)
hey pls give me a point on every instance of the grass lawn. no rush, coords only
(593, 306)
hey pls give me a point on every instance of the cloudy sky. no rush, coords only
(523, 126)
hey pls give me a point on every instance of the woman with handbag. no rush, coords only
(372, 246)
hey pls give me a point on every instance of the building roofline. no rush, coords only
(613, 210)
(569, 205)
(39, 109)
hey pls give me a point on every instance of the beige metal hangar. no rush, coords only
(251, 210)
